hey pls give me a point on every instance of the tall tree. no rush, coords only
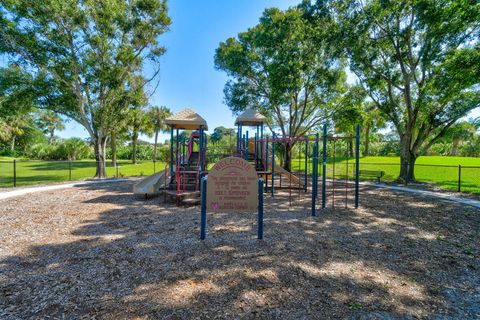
(14, 126)
(221, 132)
(158, 116)
(282, 69)
(418, 60)
(88, 55)
(17, 93)
(460, 132)
(50, 122)
(140, 122)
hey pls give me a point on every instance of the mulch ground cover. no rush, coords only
(100, 252)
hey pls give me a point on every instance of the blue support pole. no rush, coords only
(262, 144)
(305, 180)
(203, 213)
(171, 152)
(273, 163)
(357, 162)
(238, 138)
(266, 154)
(255, 145)
(177, 143)
(260, 209)
(242, 139)
(324, 167)
(246, 145)
(201, 150)
(257, 136)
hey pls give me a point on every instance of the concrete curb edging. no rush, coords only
(470, 202)
(21, 192)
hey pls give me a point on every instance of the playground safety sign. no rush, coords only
(232, 186)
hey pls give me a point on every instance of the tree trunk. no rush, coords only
(155, 146)
(113, 146)
(455, 144)
(51, 137)
(287, 165)
(134, 147)
(100, 144)
(13, 144)
(366, 150)
(407, 164)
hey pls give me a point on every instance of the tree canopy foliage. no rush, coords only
(283, 68)
(85, 57)
(418, 60)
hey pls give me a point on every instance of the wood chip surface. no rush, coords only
(98, 252)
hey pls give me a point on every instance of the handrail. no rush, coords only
(190, 145)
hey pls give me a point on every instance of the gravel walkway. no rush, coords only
(98, 252)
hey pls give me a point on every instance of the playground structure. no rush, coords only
(261, 151)
(181, 179)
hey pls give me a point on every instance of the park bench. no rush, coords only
(372, 173)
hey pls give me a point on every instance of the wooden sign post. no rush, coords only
(233, 186)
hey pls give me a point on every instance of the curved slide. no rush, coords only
(151, 185)
(287, 174)
(281, 171)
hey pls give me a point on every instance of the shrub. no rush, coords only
(67, 149)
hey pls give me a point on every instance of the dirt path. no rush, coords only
(99, 251)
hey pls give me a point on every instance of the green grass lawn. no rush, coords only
(442, 171)
(40, 172)
(30, 172)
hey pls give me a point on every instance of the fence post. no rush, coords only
(459, 178)
(260, 209)
(14, 172)
(357, 163)
(70, 170)
(116, 168)
(203, 213)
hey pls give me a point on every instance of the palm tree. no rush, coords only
(50, 121)
(140, 122)
(158, 116)
(459, 132)
(13, 127)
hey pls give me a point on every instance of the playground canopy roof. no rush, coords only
(187, 119)
(250, 118)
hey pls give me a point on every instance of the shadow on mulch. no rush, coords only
(399, 256)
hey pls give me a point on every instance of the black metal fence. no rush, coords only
(15, 173)
(459, 178)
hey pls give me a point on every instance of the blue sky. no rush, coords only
(188, 77)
